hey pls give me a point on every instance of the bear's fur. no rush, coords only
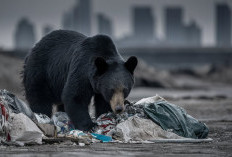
(68, 68)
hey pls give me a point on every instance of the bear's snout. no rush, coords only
(117, 101)
(119, 109)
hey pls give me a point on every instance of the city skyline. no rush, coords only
(78, 18)
(24, 37)
(177, 32)
(160, 34)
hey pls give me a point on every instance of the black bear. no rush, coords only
(68, 68)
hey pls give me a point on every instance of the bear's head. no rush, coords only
(114, 80)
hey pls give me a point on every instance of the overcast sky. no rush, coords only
(49, 12)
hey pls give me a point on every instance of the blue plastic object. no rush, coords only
(103, 138)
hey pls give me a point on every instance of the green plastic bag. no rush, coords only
(174, 118)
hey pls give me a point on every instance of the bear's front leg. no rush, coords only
(76, 106)
(79, 115)
(101, 106)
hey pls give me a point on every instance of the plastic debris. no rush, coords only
(24, 130)
(102, 138)
(46, 125)
(62, 123)
(135, 125)
(42, 118)
(173, 117)
(78, 134)
(48, 129)
(140, 129)
(106, 122)
(15, 104)
(4, 124)
(17, 127)
(81, 144)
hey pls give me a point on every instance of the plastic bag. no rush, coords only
(15, 104)
(62, 123)
(24, 130)
(174, 118)
(140, 129)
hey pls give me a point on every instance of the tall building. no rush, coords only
(47, 29)
(24, 36)
(223, 25)
(104, 25)
(174, 25)
(67, 21)
(143, 23)
(85, 16)
(192, 35)
(79, 17)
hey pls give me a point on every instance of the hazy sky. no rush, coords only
(43, 12)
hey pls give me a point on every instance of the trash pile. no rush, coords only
(148, 120)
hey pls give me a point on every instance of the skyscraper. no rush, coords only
(24, 35)
(47, 29)
(143, 23)
(223, 25)
(67, 21)
(174, 25)
(79, 17)
(192, 35)
(104, 25)
(85, 16)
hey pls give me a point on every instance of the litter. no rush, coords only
(149, 120)
(15, 104)
(102, 138)
(135, 124)
(46, 125)
(24, 130)
(81, 144)
(17, 127)
(62, 123)
(173, 117)
(42, 118)
(140, 129)
(106, 122)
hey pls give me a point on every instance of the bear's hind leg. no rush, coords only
(39, 97)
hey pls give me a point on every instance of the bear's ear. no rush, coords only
(131, 64)
(101, 65)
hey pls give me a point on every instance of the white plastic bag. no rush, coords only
(24, 130)
(140, 129)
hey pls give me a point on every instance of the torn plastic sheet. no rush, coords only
(172, 117)
(24, 130)
(42, 118)
(15, 104)
(102, 138)
(140, 129)
(62, 123)
(16, 128)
